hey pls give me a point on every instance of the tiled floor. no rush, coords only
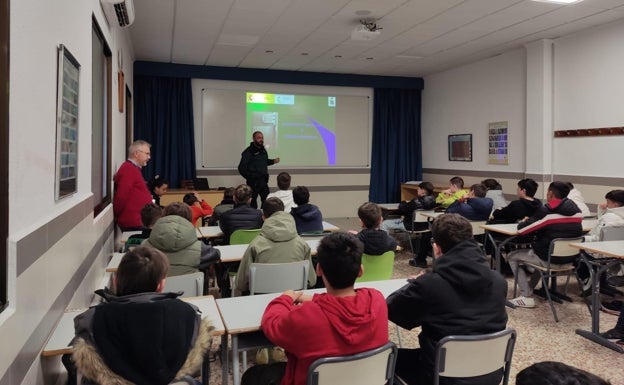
(540, 338)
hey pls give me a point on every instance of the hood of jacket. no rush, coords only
(352, 317)
(619, 211)
(172, 233)
(530, 206)
(563, 206)
(279, 227)
(306, 211)
(464, 266)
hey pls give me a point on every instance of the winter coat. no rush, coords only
(308, 218)
(253, 166)
(143, 339)
(559, 218)
(461, 295)
(177, 238)
(516, 210)
(407, 208)
(608, 217)
(278, 242)
(324, 327)
(376, 242)
(473, 209)
(446, 200)
(242, 216)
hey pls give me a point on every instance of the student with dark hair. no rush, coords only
(141, 334)
(556, 373)
(559, 218)
(158, 187)
(199, 208)
(453, 193)
(461, 295)
(521, 208)
(284, 193)
(150, 213)
(242, 216)
(227, 203)
(278, 242)
(174, 235)
(340, 322)
(424, 200)
(610, 213)
(376, 241)
(474, 206)
(494, 191)
(308, 217)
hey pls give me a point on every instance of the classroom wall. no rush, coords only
(57, 250)
(581, 93)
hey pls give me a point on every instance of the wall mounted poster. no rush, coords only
(498, 143)
(67, 124)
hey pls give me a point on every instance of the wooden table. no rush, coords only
(612, 249)
(242, 316)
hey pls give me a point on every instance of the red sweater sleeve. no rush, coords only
(206, 209)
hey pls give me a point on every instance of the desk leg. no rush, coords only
(224, 359)
(594, 334)
(235, 364)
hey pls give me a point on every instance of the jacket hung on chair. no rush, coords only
(326, 326)
(177, 238)
(143, 339)
(308, 218)
(278, 242)
(461, 295)
(559, 218)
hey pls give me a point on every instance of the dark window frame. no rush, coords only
(4, 152)
(107, 141)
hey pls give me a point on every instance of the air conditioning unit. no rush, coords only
(118, 12)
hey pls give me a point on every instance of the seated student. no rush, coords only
(150, 213)
(474, 205)
(556, 373)
(284, 193)
(376, 241)
(521, 208)
(423, 201)
(174, 235)
(308, 217)
(199, 208)
(141, 334)
(158, 187)
(559, 218)
(575, 196)
(227, 203)
(495, 192)
(278, 242)
(453, 193)
(340, 322)
(461, 295)
(242, 216)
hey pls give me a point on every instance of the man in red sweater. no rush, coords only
(340, 322)
(131, 192)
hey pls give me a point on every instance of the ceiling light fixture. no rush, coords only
(366, 30)
(559, 1)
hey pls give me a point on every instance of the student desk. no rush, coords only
(242, 316)
(613, 249)
(234, 253)
(202, 232)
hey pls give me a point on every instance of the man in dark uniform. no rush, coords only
(253, 167)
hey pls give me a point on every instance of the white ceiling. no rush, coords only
(419, 37)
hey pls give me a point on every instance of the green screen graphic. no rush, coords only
(299, 129)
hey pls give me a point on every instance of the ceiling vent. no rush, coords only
(366, 30)
(118, 12)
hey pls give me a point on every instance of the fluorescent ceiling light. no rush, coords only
(560, 1)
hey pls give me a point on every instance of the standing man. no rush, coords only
(131, 193)
(253, 167)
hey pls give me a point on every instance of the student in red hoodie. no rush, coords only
(340, 322)
(199, 207)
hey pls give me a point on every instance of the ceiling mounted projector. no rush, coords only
(366, 30)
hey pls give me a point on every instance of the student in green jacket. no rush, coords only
(454, 192)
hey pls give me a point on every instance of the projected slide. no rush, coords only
(299, 129)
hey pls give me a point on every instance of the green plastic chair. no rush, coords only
(377, 267)
(242, 237)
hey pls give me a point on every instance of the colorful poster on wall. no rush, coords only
(498, 134)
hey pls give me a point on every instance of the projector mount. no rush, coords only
(370, 25)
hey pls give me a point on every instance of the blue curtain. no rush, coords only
(164, 118)
(396, 155)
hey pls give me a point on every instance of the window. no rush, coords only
(4, 148)
(101, 121)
